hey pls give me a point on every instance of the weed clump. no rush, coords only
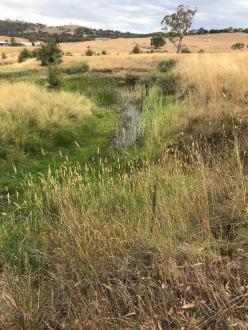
(136, 50)
(185, 50)
(89, 52)
(166, 66)
(131, 79)
(168, 83)
(238, 45)
(54, 78)
(77, 68)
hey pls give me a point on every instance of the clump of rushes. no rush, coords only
(166, 66)
(77, 68)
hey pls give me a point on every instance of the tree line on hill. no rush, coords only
(203, 31)
(41, 32)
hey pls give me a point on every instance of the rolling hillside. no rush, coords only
(37, 31)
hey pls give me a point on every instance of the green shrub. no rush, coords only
(24, 55)
(89, 52)
(185, 50)
(77, 68)
(34, 53)
(50, 53)
(68, 54)
(136, 50)
(54, 78)
(238, 45)
(104, 52)
(166, 66)
(201, 51)
(158, 41)
(169, 83)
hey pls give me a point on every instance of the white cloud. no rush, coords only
(134, 15)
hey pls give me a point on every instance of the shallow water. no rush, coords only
(129, 130)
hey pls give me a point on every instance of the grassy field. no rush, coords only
(149, 236)
(119, 50)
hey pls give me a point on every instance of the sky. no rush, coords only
(125, 15)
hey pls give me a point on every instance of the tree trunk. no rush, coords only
(179, 46)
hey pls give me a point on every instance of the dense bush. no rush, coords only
(24, 55)
(50, 53)
(77, 68)
(169, 84)
(158, 41)
(104, 52)
(166, 66)
(136, 50)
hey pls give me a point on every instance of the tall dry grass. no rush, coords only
(215, 82)
(156, 247)
(29, 112)
(165, 248)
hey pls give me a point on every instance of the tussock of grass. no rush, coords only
(33, 117)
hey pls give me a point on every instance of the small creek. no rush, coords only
(129, 128)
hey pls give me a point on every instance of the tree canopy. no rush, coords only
(50, 53)
(158, 41)
(179, 24)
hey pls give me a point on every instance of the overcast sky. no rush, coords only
(124, 15)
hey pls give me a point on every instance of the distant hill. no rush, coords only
(65, 33)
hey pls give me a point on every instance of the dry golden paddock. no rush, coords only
(118, 51)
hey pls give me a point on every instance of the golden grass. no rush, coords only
(161, 246)
(26, 108)
(215, 43)
(215, 82)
